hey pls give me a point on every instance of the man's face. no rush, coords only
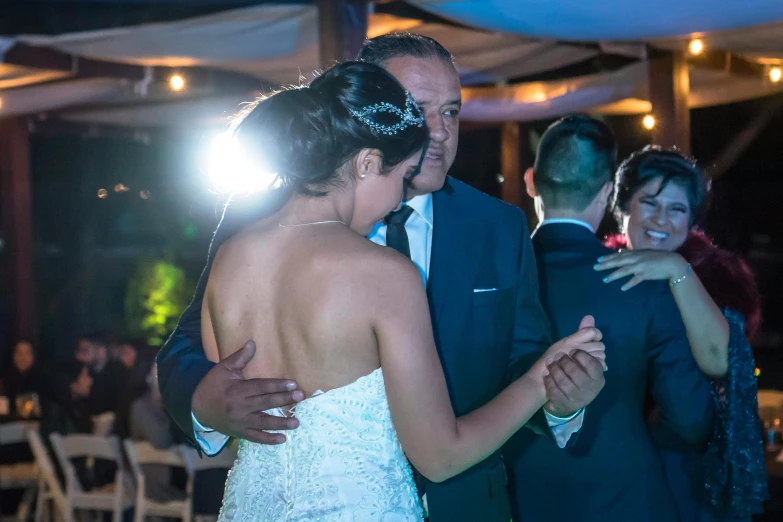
(434, 85)
(85, 352)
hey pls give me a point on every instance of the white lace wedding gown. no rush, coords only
(343, 463)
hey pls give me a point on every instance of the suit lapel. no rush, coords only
(452, 266)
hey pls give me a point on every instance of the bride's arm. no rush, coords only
(438, 444)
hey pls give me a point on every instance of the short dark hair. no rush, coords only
(307, 134)
(395, 45)
(654, 162)
(576, 157)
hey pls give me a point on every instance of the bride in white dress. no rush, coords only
(347, 319)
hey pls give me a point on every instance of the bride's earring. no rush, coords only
(363, 175)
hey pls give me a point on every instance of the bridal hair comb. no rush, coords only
(407, 117)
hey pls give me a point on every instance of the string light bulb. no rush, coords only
(696, 47)
(648, 122)
(177, 82)
(775, 74)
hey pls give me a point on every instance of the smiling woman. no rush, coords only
(659, 195)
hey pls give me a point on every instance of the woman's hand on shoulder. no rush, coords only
(642, 265)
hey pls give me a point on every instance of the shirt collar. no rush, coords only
(555, 221)
(422, 205)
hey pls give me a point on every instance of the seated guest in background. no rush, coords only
(149, 422)
(136, 358)
(659, 196)
(612, 473)
(108, 376)
(128, 354)
(21, 376)
(148, 419)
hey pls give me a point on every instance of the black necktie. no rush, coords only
(396, 236)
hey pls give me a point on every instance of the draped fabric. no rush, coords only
(501, 41)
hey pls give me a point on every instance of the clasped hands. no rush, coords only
(574, 373)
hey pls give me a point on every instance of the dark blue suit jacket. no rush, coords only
(484, 339)
(612, 473)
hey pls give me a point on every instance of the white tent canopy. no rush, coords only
(279, 44)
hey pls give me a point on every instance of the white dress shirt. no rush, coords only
(555, 221)
(419, 230)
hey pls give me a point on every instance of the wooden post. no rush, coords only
(17, 222)
(515, 158)
(342, 28)
(669, 90)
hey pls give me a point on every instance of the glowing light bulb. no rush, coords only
(775, 74)
(177, 82)
(696, 47)
(648, 122)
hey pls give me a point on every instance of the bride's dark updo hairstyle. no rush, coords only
(307, 134)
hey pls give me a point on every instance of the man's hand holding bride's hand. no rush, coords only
(230, 404)
(575, 368)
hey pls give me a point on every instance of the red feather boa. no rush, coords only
(725, 275)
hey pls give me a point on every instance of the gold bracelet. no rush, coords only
(682, 277)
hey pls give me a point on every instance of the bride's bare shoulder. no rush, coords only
(374, 270)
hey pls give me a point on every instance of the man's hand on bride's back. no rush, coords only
(232, 405)
(575, 370)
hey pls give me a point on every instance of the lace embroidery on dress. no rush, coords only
(343, 463)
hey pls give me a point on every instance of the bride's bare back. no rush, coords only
(305, 295)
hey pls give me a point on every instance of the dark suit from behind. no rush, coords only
(612, 472)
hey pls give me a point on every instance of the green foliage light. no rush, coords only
(157, 294)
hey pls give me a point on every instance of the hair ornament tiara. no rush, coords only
(407, 117)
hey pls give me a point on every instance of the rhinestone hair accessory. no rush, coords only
(408, 118)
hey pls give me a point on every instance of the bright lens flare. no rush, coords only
(232, 170)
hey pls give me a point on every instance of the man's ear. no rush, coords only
(531, 188)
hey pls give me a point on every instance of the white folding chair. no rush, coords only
(143, 453)
(22, 475)
(223, 460)
(112, 497)
(48, 486)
